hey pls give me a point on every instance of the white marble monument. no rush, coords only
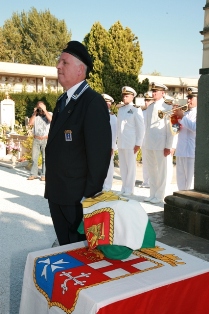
(7, 112)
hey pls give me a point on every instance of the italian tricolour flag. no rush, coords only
(112, 222)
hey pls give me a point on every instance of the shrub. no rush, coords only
(28, 144)
(25, 102)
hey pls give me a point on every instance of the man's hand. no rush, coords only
(32, 118)
(167, 151)
(136, 148)
(172, 151)
(179, 113)
(42, 107)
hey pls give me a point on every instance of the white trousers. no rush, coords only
(145, 172)
(127, 164)
(159, 169)
(169, 169)
(185, 173)
(109, 179)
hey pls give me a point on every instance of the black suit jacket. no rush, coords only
(79, 167)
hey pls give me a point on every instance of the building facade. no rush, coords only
(176, 85)
(15, 77)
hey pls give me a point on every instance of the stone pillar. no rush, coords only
(44, 83)
(205, 41)
(202, 137)
(189, 210)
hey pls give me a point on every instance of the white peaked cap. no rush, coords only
(128, 90)
(107, 97)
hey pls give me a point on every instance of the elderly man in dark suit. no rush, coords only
(78, 150)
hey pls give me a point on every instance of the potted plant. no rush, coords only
(13, 149)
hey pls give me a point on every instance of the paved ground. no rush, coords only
(26, 226)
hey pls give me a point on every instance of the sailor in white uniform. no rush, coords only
(130, 132)
(185, 150)
(171, 101)
(158, 144)
(148, 100)
(113, 123)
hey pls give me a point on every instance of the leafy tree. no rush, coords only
(117, 59)
(33, 38)
(97, 44)
(144, 87)
(1, 41)
(155, 73)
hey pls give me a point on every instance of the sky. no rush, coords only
(168, 31)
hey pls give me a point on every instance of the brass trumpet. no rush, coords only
(168, 113)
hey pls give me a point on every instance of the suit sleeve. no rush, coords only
(98, 144)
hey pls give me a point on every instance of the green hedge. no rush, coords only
(25, 102)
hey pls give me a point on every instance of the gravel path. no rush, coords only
(26, 226)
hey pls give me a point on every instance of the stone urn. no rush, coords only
(14, 160)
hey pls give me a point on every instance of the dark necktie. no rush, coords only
(62, 102)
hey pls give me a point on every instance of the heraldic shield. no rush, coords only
(116, 225)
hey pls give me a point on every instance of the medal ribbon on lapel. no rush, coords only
(61, 102)
(80, 90)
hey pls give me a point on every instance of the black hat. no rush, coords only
(78, 50)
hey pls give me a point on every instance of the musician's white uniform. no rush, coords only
(144, 159)
(185, 150)
(158, 135)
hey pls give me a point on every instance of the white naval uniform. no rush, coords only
(130, 132)
(185, 150)
(158, 135)
(144, 159)
(170, 161)
(109, 179)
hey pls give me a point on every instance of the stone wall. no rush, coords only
(35, 78)
(26, 77)
(28, 84)
(176, 85)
